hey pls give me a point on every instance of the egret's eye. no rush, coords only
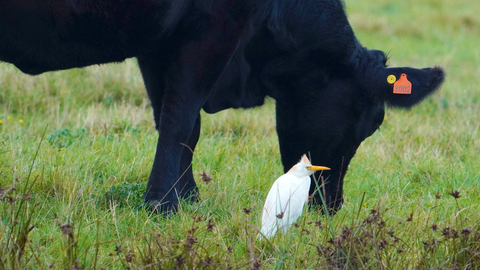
(309, 167)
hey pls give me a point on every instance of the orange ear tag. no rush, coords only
(402, 85)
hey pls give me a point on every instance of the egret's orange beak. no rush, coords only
(318, 168)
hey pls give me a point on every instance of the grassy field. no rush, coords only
(412, 198)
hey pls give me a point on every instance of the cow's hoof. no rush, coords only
(332, 206)
(161, 208)
(191, 196)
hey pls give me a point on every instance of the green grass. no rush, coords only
(76, 203)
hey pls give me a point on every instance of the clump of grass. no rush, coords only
(126, 194)
(63, 138)
(193, 249)
(373, 243)
(18, 213)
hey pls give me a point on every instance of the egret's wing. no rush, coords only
(269, 212)
(296, 201)
(284, 204)
(278, 192)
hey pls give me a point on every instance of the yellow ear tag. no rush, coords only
(391, 79)
(403, 85)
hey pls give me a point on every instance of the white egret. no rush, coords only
(285, 201)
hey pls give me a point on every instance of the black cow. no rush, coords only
(330, 91)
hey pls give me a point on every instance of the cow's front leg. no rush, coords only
(186, 185)
(179, 128)
(202, 55)
(154, 70)
(177, 122)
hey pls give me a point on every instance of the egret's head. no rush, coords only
(305, 168)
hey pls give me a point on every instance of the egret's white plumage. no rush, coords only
(285, 201)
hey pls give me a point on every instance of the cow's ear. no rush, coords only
(423, 82)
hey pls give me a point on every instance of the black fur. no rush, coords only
(217, 54)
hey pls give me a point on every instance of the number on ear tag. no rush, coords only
(402, 85)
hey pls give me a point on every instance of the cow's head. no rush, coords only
(332, 110)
